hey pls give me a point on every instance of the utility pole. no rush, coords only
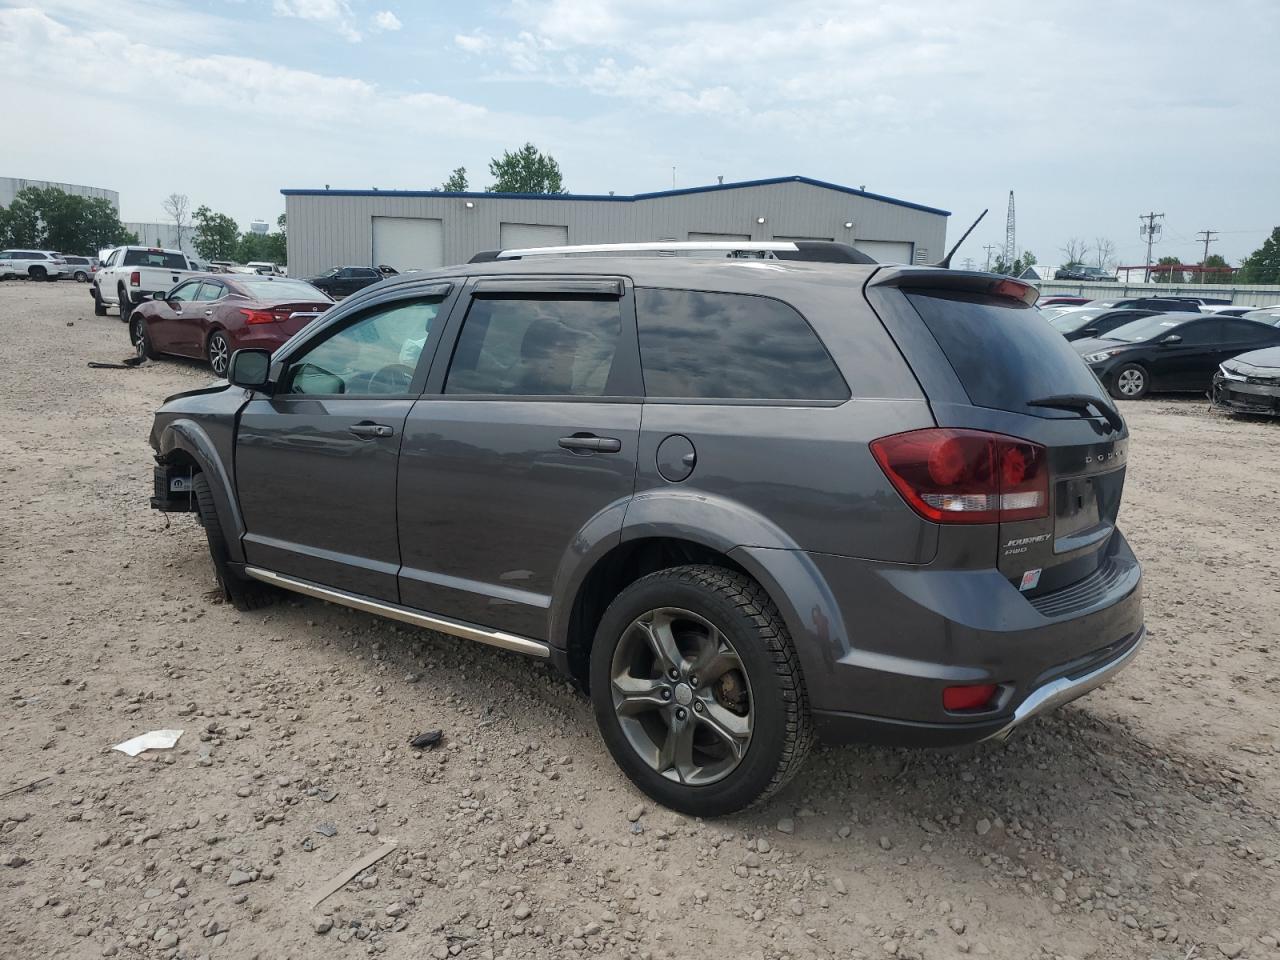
(1149, 230)
(1208, 236)
(989, 247)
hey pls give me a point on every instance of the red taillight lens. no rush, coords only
(974, 697)
(135, 279)
(949, 475)
(258, 316)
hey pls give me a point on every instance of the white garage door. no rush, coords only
(408, 243)
(828, 239)
(521, 236)
(693, 235)
(885, 251)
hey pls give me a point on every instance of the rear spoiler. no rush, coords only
(943, 278)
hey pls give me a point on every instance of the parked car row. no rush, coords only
(1142, 345)
(46, 265)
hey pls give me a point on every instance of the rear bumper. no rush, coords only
(1238, 396)
(879, 643)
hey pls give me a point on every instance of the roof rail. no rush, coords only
(655, 246)
(820, 251)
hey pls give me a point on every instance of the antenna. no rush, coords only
(945, 262)
(1010, 242)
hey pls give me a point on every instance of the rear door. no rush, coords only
(974, 346)
(528, 436)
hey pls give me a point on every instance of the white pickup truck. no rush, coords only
(129, 275)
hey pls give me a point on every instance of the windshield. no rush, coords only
(278, 288)
(1146, 328)
(1070, 321)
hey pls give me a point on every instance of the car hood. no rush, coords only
(1266, 359)
(1096, 345)
(217, 386)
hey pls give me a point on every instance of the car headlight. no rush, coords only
(1099, 357)
(1229, 374)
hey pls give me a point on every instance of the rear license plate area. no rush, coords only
(1075, 506)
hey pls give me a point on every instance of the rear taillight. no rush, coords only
(949, 475)
(259, 316)
(135, 279)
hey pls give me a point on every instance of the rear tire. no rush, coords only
(711, 745)
(243, 594)
(126, 305)
(81, 277)
(1130, 382)
(99, 308)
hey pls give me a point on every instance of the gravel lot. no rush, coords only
(1143, 821)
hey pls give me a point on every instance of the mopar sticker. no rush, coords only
(1030, 580)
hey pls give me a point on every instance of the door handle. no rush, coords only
(371, 430)
(592, 444)
(208, 313)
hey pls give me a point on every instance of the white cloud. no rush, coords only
(386, 20)
(335, 14)
(477, 42)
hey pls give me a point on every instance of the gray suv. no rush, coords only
(741, 502)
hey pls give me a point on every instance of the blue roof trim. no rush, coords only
(474, 195)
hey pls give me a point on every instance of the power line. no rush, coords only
(1208, 236)
(1150, 230)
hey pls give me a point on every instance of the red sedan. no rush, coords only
(208, 317)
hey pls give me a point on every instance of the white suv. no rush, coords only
(33, 264)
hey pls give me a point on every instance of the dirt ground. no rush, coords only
(1143, 821)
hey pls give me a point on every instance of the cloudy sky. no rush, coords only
(1093, 114)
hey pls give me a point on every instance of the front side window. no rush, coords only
(376, 355)
(544, 346)
(731, 346)
(185, 291)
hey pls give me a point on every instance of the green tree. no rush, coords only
(1020, 263)
(457, 182)
(1215, 260)
(1167, 276)
(261, 246)
(525, 171)
(1263, 265)
(47, 218)
(217, 236)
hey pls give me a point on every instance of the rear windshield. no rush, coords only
(155, 258)
(1002, 351)
(268, 288)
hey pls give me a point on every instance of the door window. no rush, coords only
(1247, 333)
(185, 291)
(544, 346)
(211, 291)
(1198, 334)
(731, 346)
(376, 355)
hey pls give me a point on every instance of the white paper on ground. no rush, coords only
(155, 740)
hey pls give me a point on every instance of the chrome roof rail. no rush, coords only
(727, 247)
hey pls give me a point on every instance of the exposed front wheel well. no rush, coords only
(613, 573)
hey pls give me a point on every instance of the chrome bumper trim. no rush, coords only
(393, 611)
(1064, 690)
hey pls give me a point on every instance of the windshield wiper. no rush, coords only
(1084, 403)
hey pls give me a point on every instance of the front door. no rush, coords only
(169, 317)
(316, 461)
(1188, 363)
(528, 439)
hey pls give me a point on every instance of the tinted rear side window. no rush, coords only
(731, 346)
(1002, 351)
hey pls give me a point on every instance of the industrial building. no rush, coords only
(164, 235)
(11, 186)
(418, 230)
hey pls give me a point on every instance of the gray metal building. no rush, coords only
(410, 229)
(164, 235)
(10, 186)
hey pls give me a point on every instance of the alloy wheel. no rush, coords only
(1130, 382)
(681, 696)
(219, 354)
